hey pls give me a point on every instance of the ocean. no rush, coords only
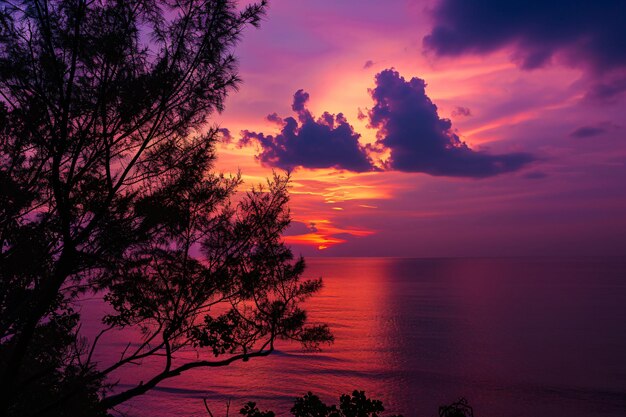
(516, 337)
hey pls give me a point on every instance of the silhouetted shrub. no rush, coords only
(459, 408)
(355, 405)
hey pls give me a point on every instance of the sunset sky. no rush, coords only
(438, 128)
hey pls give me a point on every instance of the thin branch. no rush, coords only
(112, 401)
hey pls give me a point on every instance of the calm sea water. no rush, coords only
(516, 337)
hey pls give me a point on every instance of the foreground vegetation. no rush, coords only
(355, 405)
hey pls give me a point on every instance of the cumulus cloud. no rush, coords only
(225, 135)
(409, 129)
(461, 111)
(586, 34)
(420, 141)
(299, 100)
(328, 142)
(274, 118)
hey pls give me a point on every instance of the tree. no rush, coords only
(310, 405)
(106, 187)
(355, 405)
(459, 408)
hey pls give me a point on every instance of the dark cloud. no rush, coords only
(226, 137)
(274, 118)
(298, 228)
(409, 126)
(461, 111)
(607, 89)
(299, 100)
(587, 131)
(328, 142)
(368, 64)
(535, 175)
(587, 34)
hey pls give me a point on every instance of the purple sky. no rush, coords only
(439, 128)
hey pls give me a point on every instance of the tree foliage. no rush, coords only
(459, 408)
(355, 405)
(310, 405)
(107, 187)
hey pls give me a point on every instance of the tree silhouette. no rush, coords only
(459, 408)
(310, 405)
(106, 187)
(355, 405)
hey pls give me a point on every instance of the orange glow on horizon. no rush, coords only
(326, 235)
